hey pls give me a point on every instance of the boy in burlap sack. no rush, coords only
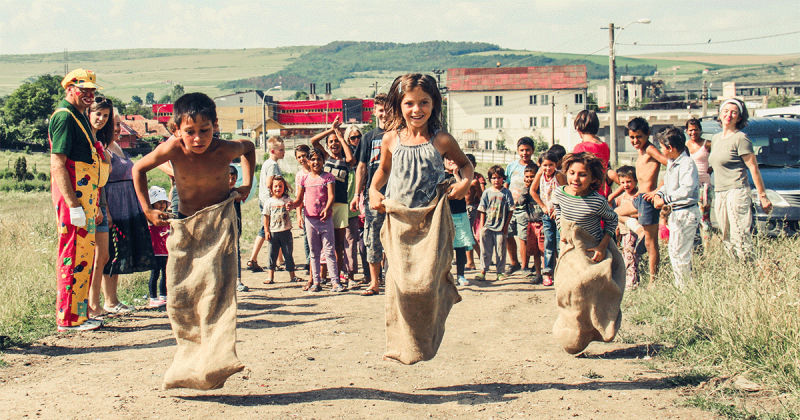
(202, 268)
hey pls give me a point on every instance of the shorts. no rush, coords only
(103, 226)
(341, 215)
(518, 227)
(463, 235)
(536, 243)
(648, 214)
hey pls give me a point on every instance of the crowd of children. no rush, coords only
(515, 217)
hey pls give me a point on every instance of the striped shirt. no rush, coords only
(586, 212)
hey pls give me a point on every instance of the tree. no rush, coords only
(134, 108)
(166, 99)
(137, 99)
(150, 98)
(20, 169)
(779, 101)
(177, 92)
(300, 95)
(118, 104)
(27, 110)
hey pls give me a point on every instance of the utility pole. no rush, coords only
(553, 121)
(612, 98)
(705, 98)
(438, 73)
(264, 120)
(375, 85)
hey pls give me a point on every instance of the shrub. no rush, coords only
(20, 168)
(41, 176)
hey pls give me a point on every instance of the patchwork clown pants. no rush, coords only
(75, 245)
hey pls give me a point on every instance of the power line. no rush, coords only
(712, 42)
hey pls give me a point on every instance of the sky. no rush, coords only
(570, 26)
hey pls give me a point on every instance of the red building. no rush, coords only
(308, 117)
(162, 112)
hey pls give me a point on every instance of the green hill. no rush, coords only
(340, 60)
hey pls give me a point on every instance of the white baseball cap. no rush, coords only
(157, 194)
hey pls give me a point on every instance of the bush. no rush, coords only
(29, 176)
(41, 176)
(20, 169)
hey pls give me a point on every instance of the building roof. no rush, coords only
(146, 128)
(126, 130)
(516, 78)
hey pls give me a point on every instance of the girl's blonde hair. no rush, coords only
(404, 84)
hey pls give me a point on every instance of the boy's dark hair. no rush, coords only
(592, 163)
(673, 137)
(303, 148)
(559, 150)
(193, 104)
(639, 124)
(404, 84)
(627, 171)
(526, 141)
(233, 171)
(695, 122)
(587, 122)
(313, 151)
(381, 99)
(532, 167)
(496, 170)
(471, 158)
(286, 186)
(552, 157)
(743, 114)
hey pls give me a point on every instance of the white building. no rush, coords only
(491, 105)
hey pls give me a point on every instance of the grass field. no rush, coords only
(124, 73)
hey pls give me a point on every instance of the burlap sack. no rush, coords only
(201, 303)
(588, 293)
(419, 287)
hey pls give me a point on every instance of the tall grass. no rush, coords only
(736, 317)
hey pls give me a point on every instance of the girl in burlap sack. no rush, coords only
(411, 162)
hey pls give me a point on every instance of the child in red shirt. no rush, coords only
(158, 235)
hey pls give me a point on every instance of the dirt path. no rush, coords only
(319, 356)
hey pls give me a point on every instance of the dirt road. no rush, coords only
(319, 356)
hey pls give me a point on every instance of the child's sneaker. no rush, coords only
(537, 280)
(462, 281)
(548, 281)
(242, 288)
(501, 277)
(480, 277)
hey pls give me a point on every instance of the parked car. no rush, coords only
(776, 143)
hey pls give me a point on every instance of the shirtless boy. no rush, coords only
(648, 164)
(200, 161)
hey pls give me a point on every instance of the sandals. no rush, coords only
(254, 267)
(308, 286)
(120, 308)
(298, 280)
(370, 292)
(270, 281)
(338, 288)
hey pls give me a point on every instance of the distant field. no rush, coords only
(124, 73)
(724, 60)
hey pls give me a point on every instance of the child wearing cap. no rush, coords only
(158, 235)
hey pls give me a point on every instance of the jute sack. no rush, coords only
(201, 303)
(588, 293)
(419, 287)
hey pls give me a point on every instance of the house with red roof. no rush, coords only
(503, 104)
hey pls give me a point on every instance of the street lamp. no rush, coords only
(264, 114)
(612, 85)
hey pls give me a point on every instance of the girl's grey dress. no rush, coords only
(416, 171)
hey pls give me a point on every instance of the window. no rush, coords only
(578, 98)
(487, 101)
(472, 144)
(545, 121)
(241, 99)
(532, 99)
(533, 122)
(498, 100)
(488, 145)
(239, 124)
(498, 122)
(545, 100)
(241, 110)
(487, 123)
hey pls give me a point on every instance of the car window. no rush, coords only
(778, 149)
